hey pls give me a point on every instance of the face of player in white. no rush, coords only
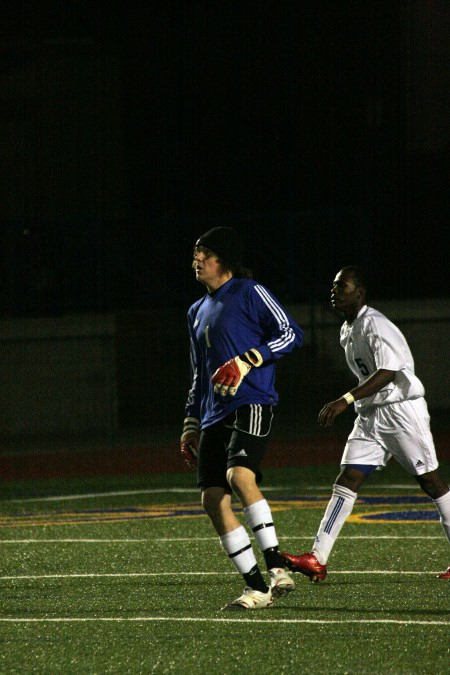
(346, 296)
(208, 270)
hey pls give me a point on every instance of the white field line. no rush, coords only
(168, 540)
(196, 619)
(122, 493)
(95, 575)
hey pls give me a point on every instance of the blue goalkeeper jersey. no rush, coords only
(239, 315)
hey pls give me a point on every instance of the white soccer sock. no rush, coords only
(339, 508)
(443, 506)
(239, 549)
(259, 519)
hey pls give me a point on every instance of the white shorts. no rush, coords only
(400, 430)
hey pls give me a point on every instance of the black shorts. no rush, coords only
(241, 439)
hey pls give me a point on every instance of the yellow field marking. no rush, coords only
(154, 512)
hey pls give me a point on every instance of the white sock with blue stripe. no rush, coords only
(338, 510)
(443, 506)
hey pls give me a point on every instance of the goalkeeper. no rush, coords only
(238, 330)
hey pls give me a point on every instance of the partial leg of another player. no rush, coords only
(435, 487)
(313, 564)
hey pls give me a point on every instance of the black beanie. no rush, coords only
(224, 242)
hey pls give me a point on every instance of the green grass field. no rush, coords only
(125, 575)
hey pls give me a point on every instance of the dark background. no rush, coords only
(318, 129)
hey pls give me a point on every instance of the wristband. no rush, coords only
(252, 358)
(349, 398)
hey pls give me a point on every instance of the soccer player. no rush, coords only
(238, 330)
(392, 418)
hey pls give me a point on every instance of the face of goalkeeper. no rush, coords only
(209, 269)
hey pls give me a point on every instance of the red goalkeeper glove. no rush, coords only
(227, 378)
(189, 441)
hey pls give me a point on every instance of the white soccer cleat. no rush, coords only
(251, 599)
(281, 582)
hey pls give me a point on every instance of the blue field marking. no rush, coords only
(158, 511)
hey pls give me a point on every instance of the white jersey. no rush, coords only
(372, 342)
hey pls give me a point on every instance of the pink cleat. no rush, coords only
(308, 564)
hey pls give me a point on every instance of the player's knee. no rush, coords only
(432, 484)
(240, 479)
(352, 476)
(233, 480)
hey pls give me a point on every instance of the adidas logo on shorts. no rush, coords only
(241, 453)
(418, 463)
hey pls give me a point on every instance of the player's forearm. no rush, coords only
(283, 342)
(277, 347)
(373, 384)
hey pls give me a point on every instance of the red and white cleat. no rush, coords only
(307, 564)
(444, 575)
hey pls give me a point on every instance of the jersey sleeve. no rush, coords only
(387, 349)
(282, 332)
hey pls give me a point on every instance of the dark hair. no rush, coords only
(237, 269)
(358, 274)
